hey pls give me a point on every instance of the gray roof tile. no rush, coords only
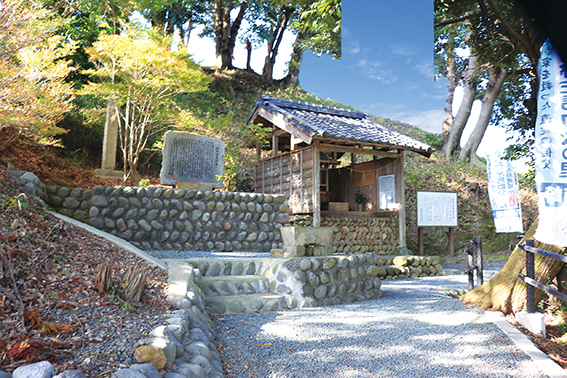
(347, 125)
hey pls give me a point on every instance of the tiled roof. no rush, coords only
(320, 121)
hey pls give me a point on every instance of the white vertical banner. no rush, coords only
(551, 148)
(503, 193)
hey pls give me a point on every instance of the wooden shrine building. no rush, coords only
(352, 154)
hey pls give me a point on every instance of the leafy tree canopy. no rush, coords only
(33, 94)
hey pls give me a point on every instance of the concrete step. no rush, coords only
(246, 304)
(216, 286)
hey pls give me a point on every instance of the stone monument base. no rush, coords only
(109, 173)
(193, 185)
(306, 241)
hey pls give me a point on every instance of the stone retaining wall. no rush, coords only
(359, 234)
(337, 279)
(180, 219)
(330, 280)
(171, 219)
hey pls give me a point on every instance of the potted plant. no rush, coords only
(360, 199)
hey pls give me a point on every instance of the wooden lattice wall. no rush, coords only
(290, 174)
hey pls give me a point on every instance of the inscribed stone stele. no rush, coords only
(194, 158)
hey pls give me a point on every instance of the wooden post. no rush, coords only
(301, 182)
(420, 239)
(275, 143)
(451, 241)
(316, 186)
(293, 141)
(402, 199)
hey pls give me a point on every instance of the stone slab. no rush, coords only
(109, 173)
(533, 322)
(296, 236)
(193, 186)
(193, 158)
(246, 304)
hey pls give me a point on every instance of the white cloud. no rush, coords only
(425, 67)
(402, 50)
(387, 76)
(354, 48)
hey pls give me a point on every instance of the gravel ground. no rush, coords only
(414, 331)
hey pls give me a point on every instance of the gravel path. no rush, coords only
(414, 331)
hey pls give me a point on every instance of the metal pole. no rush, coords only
(479, 267)
(470, 260)
(530, 272)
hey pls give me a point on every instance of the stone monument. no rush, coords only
(108, 166)
(192, 161)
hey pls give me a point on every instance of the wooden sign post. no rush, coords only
(437, 209)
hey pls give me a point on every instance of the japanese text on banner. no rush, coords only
(551, 148)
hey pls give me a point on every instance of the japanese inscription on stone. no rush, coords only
(436, 209)
(189, 157)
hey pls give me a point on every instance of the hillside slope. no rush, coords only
(230, 100)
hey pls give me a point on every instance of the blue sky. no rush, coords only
(387, 63)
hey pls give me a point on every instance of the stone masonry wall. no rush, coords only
(171, 219)
(330, 280)
(359, 234)
(180, 219)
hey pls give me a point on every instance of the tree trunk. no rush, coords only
(505, 292)
(225, 32)
(187, 35)
(294, 65)
(134, 284)
(248, 55)
(453, 78)
(103, 277)
(274, 43)
(470, 81)
(497, 77)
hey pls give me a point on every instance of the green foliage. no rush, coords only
(322, 21)
(33, 93)
(128, 307)
(144, 183)
(14, 203)
(434, 140)
(360, 198)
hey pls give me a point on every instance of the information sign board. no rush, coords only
(436, 209)
(387, 191)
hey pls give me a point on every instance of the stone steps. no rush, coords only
(234, 285)
(237, 285)
(245, 304)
